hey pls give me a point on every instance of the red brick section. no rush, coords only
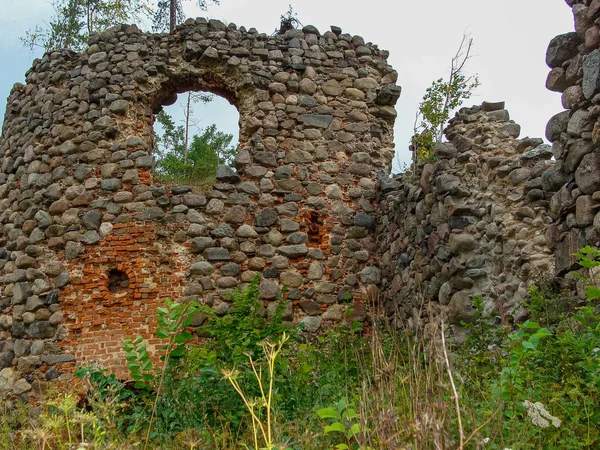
(98, 320)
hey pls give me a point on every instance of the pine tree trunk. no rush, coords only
(187, 128)
(172, 16)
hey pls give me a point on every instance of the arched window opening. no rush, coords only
(194, 132)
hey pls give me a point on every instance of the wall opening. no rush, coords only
(117, 280)
(315, 229)
(193, 134)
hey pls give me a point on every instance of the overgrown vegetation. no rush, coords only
(190, 161)
(442, 98)
(257, 382)
(289, 21)
(75, 20)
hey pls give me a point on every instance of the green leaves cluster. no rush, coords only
(245, 327)
(553, 358)
(207, 150)
(589, 258)
(194, 394)
(513, 380)
(173, 319)
(75, 20)
(442, 98)
(345, 420)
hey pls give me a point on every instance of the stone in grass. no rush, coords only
(310, 324)
(460, 308)
(8, 377)
(21, 387)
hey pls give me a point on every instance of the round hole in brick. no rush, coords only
(117, 280)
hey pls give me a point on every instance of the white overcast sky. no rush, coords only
(510, 41)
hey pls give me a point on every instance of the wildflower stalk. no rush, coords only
(231, 376)
(272, 351)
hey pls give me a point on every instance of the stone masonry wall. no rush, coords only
(471, 223)
(91, 243)
(574, 183)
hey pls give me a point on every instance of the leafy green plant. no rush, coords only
(483, 349)
(173, 319)
(440, 99)
(289, 21)
(589, 258)
(189, 391)
(117, 406)
(245, 326)
(75, 20)
(345, 421)
(513, 380)
(64, 426)
(551, 375)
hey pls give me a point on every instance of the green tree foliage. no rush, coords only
(75, 20)
(440, 99)
(162, 15)
(207, 150)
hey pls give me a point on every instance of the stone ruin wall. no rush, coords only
(91, 243)
(471, 223)
(575, 135)
(495, 214)
(311, 206)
